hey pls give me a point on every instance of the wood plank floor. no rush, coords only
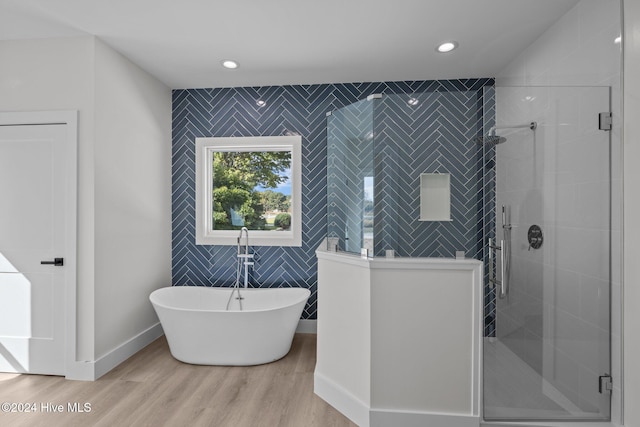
(153, 389)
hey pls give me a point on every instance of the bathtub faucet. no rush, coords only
(245, 231)
(245, 255)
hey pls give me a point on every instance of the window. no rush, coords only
(251, 182)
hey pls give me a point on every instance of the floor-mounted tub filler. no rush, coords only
(229, 326)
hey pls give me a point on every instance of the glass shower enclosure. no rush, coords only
(546, 347)
(548, 356)
(350, 196)
(381, 151)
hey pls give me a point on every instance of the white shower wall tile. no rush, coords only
(564, 55)
(591, 213)
(565, 291)
(597, 13)
(616, 276)
(593, 292)
(566, 212)
(567, 376)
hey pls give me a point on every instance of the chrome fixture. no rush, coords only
(505, 257)
(506, 251)
(534, 236)
(492, 139)
(244, 258)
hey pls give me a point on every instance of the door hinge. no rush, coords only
(605, 385)
(604, 121)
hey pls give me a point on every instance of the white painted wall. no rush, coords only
(631, 213)
(80, 73)
(579, 50)
(57, 74)
(132, 197)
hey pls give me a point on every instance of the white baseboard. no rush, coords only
(127, 349)
(80, 371)
(92, 370)
(384, 418)
(336, 396)
(364, 416)
(307, 326)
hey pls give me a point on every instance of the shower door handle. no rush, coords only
(504, 283)
(493, 281)
(58, 262)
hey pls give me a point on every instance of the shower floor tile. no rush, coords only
(515, 391)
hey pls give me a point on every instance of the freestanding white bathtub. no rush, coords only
(201, 331)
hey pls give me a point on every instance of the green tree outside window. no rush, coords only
(244, 185)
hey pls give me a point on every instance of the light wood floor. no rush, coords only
(153, 389)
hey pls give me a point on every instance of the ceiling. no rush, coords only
(280, 42)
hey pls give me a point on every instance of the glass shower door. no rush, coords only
(550, 356)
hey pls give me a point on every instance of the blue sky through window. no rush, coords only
(284, 187)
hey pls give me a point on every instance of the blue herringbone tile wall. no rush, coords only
(430, 134)
(487, 204)
(288, 109)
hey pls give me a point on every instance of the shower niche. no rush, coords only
(403, 176)
(435, 197)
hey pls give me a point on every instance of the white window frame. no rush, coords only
(205, 147)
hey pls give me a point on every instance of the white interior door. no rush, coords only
(33, 200)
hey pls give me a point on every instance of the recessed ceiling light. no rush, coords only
(227, 63)
(261, 103)
(447, 46)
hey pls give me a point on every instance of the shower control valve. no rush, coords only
(534, 235)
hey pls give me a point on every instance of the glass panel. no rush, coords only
(350, 195)
(552, 327)
(377, 152)
(252, 182)
(251, 189)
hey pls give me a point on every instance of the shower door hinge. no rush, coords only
(605, 385)
(604, 121)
